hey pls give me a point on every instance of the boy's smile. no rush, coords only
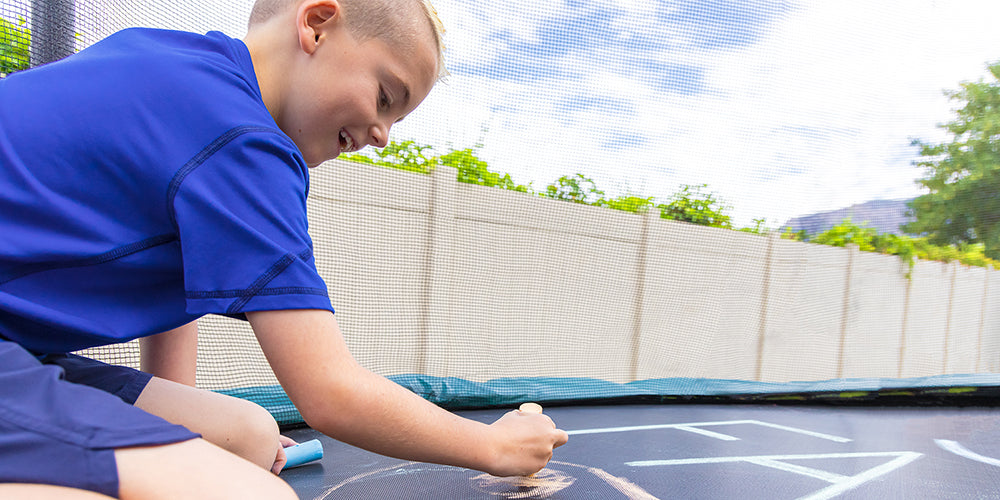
(347, 144)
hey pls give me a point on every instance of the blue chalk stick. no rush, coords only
(303, 453)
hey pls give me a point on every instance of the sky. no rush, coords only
(782, 107)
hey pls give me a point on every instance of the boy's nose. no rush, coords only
(379, 136)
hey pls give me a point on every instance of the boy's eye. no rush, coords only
(383, 100)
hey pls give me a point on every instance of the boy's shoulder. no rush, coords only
(152, 48)
(172, 73)
(152, 97)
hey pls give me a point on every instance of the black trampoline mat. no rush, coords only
(703, 452)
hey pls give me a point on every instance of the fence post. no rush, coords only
(947, 325)
(772, 239)
(911, 268)
(852, 251)
(982, 318)
(442, 209)
(52, 30)
(640, 292)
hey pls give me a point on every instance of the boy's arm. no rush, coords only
(171, 355)
(338, 397)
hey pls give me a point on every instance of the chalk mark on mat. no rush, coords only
(630, 490)
(962, 451)
(840, 483)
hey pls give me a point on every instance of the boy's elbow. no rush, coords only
(330, 407)
(322, 414)
(315, 420)
(331, 420)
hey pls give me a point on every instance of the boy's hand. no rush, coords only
(523, 443)
(280, 459)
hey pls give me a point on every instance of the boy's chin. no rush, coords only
(315, 162)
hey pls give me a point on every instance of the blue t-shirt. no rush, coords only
(143, 183)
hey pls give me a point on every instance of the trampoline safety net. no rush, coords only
(665, 199)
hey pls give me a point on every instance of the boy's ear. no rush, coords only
(314, 19)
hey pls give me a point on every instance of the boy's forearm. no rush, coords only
(340, 398)
(171, 355)
(380, 416)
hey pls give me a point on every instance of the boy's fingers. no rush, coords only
(279, 461)
(551, 422)
(561, 436)
(562, 439)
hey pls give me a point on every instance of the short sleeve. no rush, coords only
(240, 212)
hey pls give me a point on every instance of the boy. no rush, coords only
(160, 176)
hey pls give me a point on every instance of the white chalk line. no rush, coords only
(822, 475)
(840, 483)
(631, 490)
(703, 432)
(859, 479)
(695, 427)
(962, 451)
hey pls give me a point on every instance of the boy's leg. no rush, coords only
(47, 492)
(236, 425)
(169, 472)
(193, 469)
(60, 433)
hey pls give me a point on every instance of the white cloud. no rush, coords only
(815, 115)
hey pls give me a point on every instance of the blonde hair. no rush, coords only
(437, 28)
(387, 20)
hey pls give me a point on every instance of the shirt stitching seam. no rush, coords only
(115, 254)
(198, 159)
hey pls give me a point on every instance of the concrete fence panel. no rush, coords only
(702, 302)
(965, 309)
(873, 328)
(927, 319)
(808, 286)
(538, 290)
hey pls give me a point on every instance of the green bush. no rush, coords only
(692, 205)
(906, 247)
(574, 188)
(15, 46)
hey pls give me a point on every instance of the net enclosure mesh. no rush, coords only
(602, 199)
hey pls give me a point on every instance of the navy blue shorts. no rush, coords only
(62, 417)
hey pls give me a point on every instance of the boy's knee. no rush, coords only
(257, 421)
(253, 434)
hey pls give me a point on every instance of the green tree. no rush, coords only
(576, 188)
(472, 170)
(691, 204)
(905, 247)
(15, 46)
(406, 155)
(411, 157)
(758, 226)
(963, 175)
(629, 203)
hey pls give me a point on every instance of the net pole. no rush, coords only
(52, 30)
